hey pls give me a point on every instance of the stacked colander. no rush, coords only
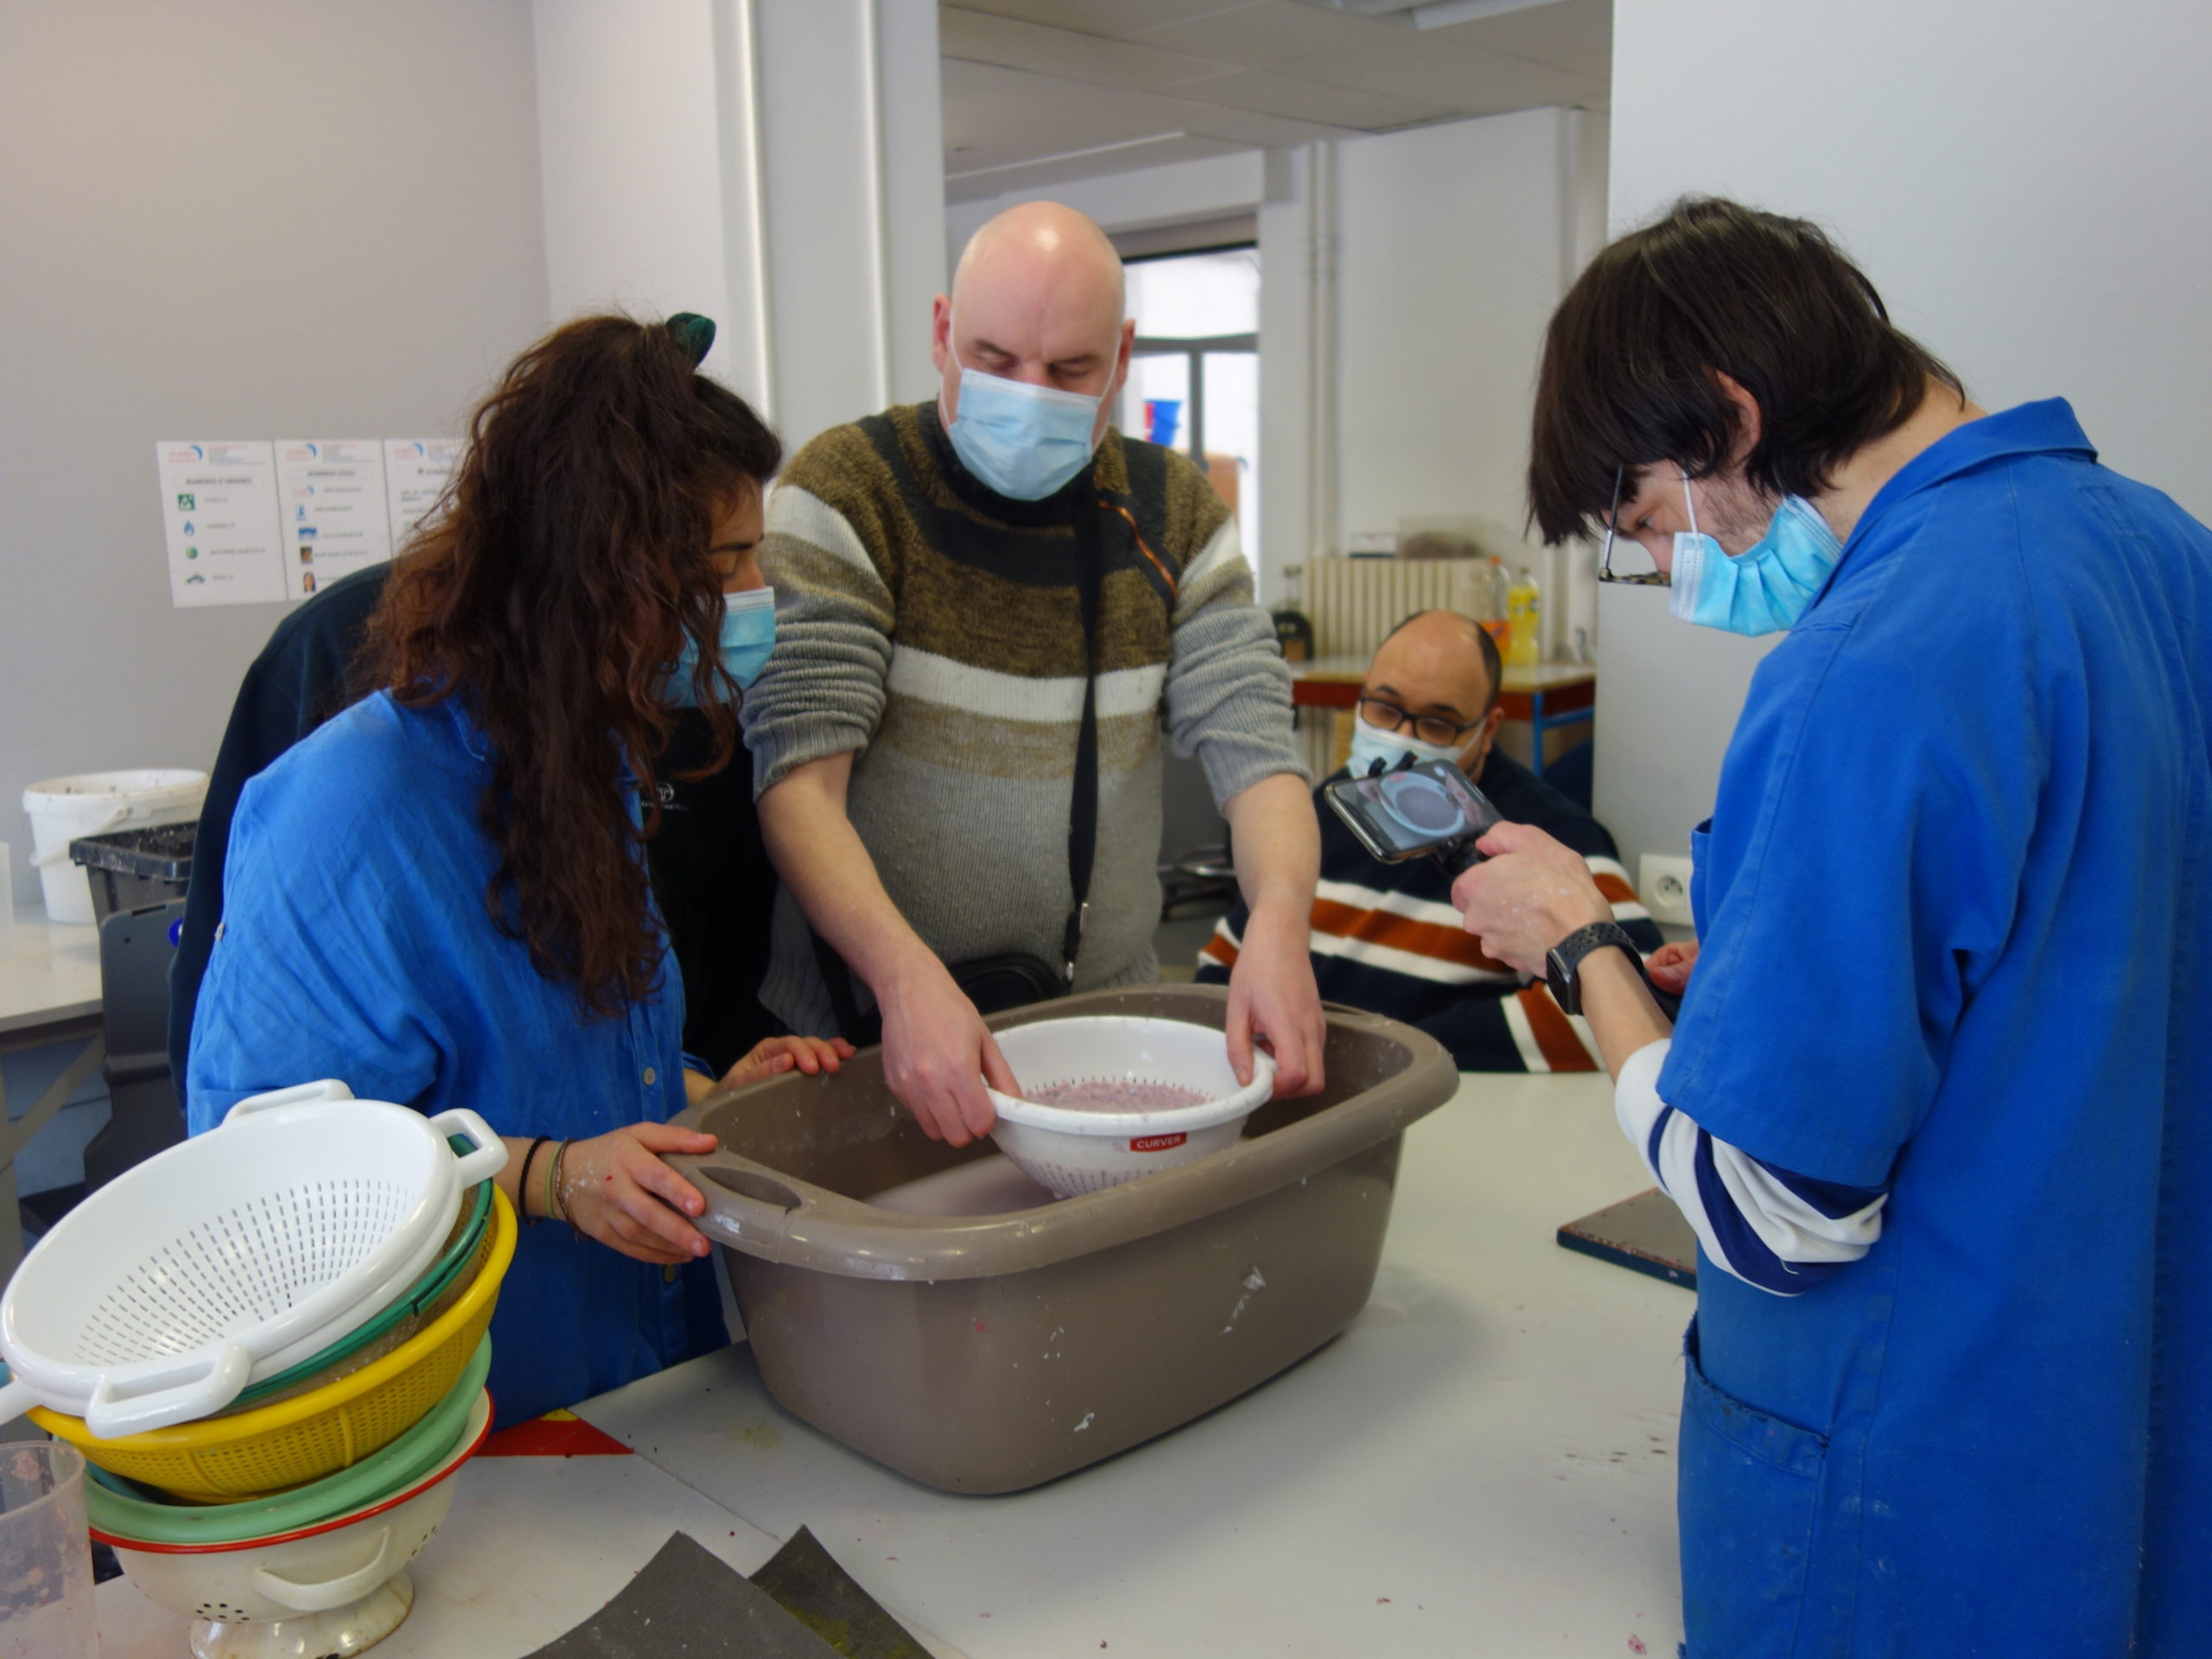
(270, 1344)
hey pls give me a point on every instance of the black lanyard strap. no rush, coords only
(1083, 810)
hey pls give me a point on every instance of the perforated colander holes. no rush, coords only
(221, 1613)
(156, 1310)
(247, 1256)
(186, 1295)
(246, 1266)
(342, 1221)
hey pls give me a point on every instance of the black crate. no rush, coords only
(130, 870)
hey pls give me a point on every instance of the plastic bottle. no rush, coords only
(1500, 585)
(1525, 618)
(1493, 603)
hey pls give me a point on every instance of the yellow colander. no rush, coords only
(253, 1452)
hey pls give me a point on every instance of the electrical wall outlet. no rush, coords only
(1664, 885)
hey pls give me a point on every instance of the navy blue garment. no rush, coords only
(1385, 938)
(296, 684)
(355, 945)
(1954, 901)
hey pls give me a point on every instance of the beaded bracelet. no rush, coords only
(522, 1183)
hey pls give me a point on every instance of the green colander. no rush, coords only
(124, 1508)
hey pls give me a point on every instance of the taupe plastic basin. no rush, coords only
(990, 1353)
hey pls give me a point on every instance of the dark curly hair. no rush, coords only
(1627, 374)
(549, 591)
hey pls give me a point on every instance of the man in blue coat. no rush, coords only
(1947, 1388)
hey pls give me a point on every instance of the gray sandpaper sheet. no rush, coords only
(807, 1581)
(687, 1603)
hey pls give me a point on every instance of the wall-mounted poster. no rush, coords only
(336, 517)
(416, 471)
(219, 518)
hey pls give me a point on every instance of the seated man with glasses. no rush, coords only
(1385, 937)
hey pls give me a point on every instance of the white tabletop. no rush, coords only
(49, 971)
(532, 1548)
(1483, 1463)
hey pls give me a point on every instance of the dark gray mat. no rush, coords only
(687, 1603)
(806, 1581)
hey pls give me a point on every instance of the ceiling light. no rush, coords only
(1441, 14)
(1426, 14)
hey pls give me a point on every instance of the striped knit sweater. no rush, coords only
(1387, 939)
(933, 627)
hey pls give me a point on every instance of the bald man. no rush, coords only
(1385, 937)
(918, 733)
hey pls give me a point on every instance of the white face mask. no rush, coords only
(1373, 743)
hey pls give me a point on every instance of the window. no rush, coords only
(1194, 382)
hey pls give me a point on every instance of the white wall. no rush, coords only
(1455, 244)
(2026, 182)
(852, 138)
(1298, 267)
(776, 164)
(230, 219)
(632, 195)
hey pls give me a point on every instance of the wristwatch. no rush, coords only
(1563, 961)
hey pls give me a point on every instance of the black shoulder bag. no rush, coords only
(1014, 979)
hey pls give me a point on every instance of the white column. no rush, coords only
(778, 164)
(1298, 318)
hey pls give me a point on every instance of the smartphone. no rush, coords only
(1427, 809)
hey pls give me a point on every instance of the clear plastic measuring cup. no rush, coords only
(45, 1558)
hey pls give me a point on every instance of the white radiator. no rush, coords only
(1352, 603)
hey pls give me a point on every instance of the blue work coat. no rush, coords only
(1955, 900)
(355, 943)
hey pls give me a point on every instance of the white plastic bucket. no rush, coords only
(93, 804)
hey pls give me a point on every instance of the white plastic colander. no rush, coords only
(233, 1256)
(1070, 1151)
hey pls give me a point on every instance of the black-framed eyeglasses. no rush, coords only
(1430, 729)
(1605, 573)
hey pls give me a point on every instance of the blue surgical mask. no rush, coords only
(748, 634)
(1372, 743)
(1025, 442)
(1763, 590)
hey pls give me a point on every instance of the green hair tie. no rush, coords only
(693, 333)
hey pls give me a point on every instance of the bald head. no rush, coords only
(1442, 667)
(1038, 297)
(1042, 244)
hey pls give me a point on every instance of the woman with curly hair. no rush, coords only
(440, 897)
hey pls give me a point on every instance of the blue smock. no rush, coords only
(1953, 907)
(355, 945)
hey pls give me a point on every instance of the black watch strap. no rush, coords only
(1563, 961)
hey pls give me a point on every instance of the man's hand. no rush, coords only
(937, 1054)
(1272, 997)
(615, 1189)
(1669, 967)
(1528, 894)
